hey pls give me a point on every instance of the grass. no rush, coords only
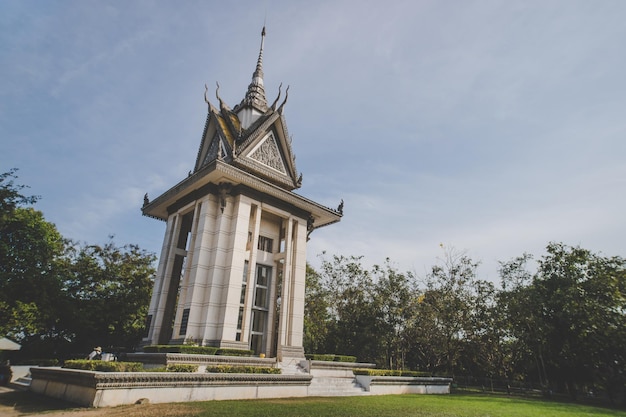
(454, 405)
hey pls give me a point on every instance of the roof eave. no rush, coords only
(219, 171)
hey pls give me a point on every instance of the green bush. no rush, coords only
(389, 372)
(103, 366)
(191, 349)
(161, 349)
(235, 352)
(196, 350)
(159, 369)
(182, 367)
(345, 358)
(328, 357)
(233, 369)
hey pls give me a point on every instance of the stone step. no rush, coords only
(333, 386)
(22, 382)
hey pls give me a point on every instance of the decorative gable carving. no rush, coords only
(213, 149)
(268, 154)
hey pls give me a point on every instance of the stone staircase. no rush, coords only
(21, 377)
(327, 386)
(328, 381)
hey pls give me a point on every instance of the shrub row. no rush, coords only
(330, 357)
(233, 369)
(389, 372)
(180, 367)
(113, 366)
(103, 366)
(197, 350)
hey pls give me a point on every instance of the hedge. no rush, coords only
(389, 372)
(345, 358)
(330, 357)
(234, 352)
(182, 367)
(103, 366)
(234, 369)
(197, 350)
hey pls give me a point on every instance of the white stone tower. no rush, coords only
(232, 266)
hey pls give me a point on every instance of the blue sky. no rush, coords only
(493, 127)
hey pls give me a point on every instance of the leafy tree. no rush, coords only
(57, 297)
(29, 250)
(521, 321)
(351, 307)
(11, 195)
(316, 313)
(572, 318)
(584, 300)
(393, 302)
(447, 312)
(483, 354)
(108, 292)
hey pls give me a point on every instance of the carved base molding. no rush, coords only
(109, 389)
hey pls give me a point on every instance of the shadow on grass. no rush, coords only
(26, 402)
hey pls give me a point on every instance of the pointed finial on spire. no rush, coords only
(258, 72)
(256, 91)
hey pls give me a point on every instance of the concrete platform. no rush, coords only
(304, 379)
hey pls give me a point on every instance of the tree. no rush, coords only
(584, 300)
(444, 320)
(108, 292)
(29, 249)
(393, 302)
(522, 325)
(57, 297)
(316, 313)
(572, 317)
(352, 326)
(11, 196)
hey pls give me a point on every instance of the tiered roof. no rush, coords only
(253, 136)
(249, 148)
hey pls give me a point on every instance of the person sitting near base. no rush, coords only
(96, 354)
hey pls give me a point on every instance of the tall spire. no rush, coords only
(255, 96)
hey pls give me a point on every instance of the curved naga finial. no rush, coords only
(223, 106)
(280, 109)
(206, 100)
(217, 93)
(273, 106)
(340, 208)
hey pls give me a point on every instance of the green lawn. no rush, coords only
(454, 405)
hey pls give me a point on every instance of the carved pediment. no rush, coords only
(266, 152)
(217, 149)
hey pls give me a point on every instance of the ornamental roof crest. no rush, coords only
(252, 136)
